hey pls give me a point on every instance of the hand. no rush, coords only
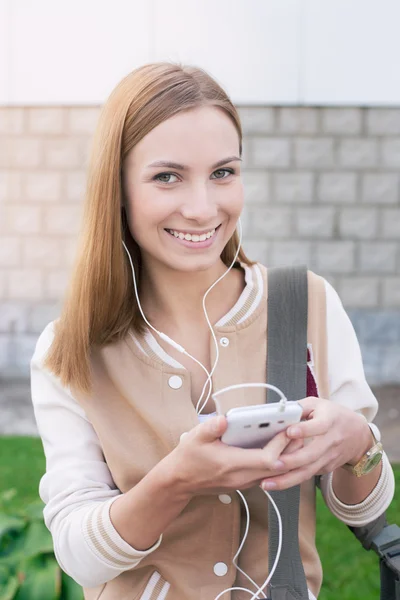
(336, 435)
(203, 464)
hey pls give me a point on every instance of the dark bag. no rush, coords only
(287, 370)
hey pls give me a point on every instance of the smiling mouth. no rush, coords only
(193, 237)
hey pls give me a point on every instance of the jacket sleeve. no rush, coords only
(348, 386)
(77, 487)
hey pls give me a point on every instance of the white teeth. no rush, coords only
(192, 238)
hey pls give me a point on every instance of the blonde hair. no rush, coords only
(100, 305)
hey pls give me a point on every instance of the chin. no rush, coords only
(194, 264)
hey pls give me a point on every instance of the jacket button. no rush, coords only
(225, 498)
(175, 382)
(224, 342)
(220, 569)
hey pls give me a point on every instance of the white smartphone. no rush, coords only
(254, 426)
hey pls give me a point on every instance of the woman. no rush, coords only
(136, 508)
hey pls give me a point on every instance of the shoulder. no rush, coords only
(44, 342)
(317, 284)
(321, 294)
(321, 289)
(46, 387)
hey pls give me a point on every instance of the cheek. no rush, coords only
(234, 202)
(146, 216)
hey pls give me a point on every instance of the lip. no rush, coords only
(194, 232)
(195, 245)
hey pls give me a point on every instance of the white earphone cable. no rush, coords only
(160, 333)
(175, 344)
(210, 326)
(243, 541)
(260, 590)
(209, 383)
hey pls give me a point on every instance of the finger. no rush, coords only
(317, 425)
(292, 478)
(211, 429)
(304, 456)
(308, 405)
(293, 445)
(266, 458)
(261, 459)
(274, 448)
(278, 443)
(252, 458)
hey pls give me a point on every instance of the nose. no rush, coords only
(199, 205)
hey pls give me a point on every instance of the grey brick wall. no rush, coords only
(321, 187)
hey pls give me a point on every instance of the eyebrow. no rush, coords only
(174, 165)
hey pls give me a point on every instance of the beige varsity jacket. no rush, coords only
(100, 446)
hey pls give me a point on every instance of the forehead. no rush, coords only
(194, 137)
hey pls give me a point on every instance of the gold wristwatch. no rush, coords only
(371, 459)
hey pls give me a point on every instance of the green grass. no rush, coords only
(22, 463)
(350, 572)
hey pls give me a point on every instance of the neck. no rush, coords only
(175, 298)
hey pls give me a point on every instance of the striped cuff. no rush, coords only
(105, 541)
(375, 504)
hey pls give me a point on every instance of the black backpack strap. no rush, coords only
(384, 539)
(387, 545)
(287, 370)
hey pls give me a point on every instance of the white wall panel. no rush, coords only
(312, 52)
(75, 51)
(250, 46)
(350, 52)
(5, 74)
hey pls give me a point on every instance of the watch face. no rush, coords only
(373, 462)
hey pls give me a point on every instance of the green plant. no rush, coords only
(28, 567)
(350, 572)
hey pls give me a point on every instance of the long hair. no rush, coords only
(100, 306)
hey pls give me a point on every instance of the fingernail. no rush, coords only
(293, 431)
(269, 485)
(218, 423)
(278, 465)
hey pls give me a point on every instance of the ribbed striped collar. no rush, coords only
(246, 305)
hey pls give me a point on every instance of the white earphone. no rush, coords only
(254, 596)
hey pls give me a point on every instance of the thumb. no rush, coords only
(212, 429)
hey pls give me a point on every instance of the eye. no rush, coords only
(156, 177)
(168, 174)
(229, 171)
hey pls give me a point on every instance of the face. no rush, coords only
(183, 214)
